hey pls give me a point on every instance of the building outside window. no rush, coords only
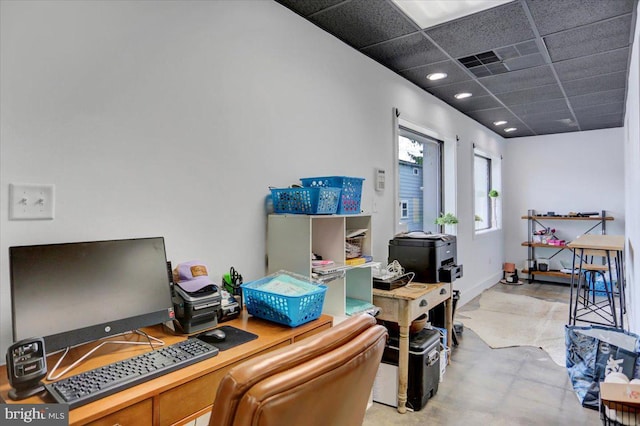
(420, 180)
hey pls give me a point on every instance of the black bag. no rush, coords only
(593, 352)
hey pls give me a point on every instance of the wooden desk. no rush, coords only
(176, 397)
(598, 242)
(612, 245)
(403, 305)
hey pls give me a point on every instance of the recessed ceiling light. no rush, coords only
(437, 76)
(499, 123)
(510, 129)
(462, 95)
(567, 121)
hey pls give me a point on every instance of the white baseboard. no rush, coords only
(475, 290)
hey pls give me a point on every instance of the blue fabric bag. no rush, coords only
(595, 351)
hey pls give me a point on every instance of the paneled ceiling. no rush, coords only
(543, 66)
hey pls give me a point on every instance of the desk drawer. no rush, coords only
(311, 332)
(185, 400)
(430, 300)
(139, 414)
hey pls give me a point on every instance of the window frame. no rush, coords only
(487, 166)
(424, 137)
(449, 155)
(404, 209)
(494, 206)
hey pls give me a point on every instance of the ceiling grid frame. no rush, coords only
(578, 33)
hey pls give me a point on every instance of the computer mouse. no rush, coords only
(213, 336)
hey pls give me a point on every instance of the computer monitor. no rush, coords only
(74, 293)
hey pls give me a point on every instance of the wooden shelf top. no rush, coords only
(528, 244)
(547, 273)
(568, 217)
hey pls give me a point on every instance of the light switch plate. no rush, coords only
(31, 201)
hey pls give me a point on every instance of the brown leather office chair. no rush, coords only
(323, 380)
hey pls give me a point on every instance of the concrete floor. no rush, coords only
(511, 386)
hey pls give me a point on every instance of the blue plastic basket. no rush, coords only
(288, 309)
(305, 200)
(351, 190)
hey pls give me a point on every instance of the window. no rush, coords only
(486, 177)
(404, 209)
(420, 180)
(482, 186)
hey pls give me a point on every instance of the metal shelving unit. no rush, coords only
(536, 221)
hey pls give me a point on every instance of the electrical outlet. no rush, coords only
(31, 202)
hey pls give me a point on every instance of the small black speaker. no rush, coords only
(26, 366)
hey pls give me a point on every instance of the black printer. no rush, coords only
(197, 311)
(432, 257)
(196, 299)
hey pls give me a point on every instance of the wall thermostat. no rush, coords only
(380, 179)
(26, 366)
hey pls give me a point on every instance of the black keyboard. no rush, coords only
(86, 387)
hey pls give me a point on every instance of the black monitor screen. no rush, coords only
(78, 292)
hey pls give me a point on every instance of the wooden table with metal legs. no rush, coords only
(403, 305)
(613, 248)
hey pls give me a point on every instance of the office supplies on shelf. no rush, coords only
(94, 384)
(353, 247)
(355, 261)
(325, 278)
(359, 232)
(330, 269)
(316, 263)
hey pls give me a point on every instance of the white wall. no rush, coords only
(173, 118)
(571, 172)
(632, 184)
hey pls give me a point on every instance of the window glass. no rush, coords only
(482, 186)
(420, 180)
(404, 209)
